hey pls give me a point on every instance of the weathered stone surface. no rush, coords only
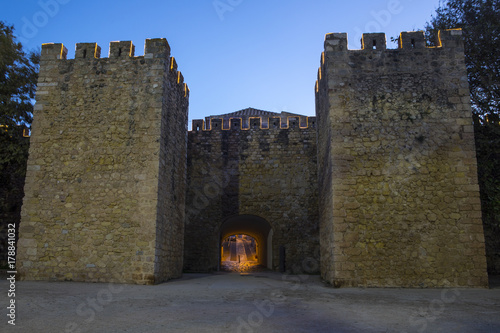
(385, 191)
(397, 167)
(266, 172)
(105, 184)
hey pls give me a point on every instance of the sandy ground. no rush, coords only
(246, 302)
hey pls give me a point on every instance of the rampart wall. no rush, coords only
(397, 167)
(241, 168)
(105, 186)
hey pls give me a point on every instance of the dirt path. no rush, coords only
(251, 302)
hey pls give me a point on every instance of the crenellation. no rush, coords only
(336, 42)
(451, 38)
(52, 51)
(173, 65)
(412, 40)
(198, 125)
(216, 124)
(87, 51)
(156, 48)
(408, 40)
(374, 41)
(311, 122)
(252, 123)
(180, 78)
(121, 49)
(153, 48)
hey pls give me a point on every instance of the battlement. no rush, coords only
(374, 58)
(245, 124)
(153, 48)
(156, 48)
(412, 40)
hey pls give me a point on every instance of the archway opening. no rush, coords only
(245, 243)
(238, 252)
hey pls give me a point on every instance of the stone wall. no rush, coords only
(105, 184)
(270, 173)
(399, 191)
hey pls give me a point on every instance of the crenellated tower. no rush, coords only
(105, 185)
(399, 196)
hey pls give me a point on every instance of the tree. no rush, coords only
(487, 135)
(18, 78)
(480, 22)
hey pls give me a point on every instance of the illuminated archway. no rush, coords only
(240, 248)
(255, 227)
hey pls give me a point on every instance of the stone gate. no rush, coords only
(379, 189)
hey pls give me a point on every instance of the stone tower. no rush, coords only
(399, 196)
(105, 186)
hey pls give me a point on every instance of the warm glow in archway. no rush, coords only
(245, 241)
(239, 248)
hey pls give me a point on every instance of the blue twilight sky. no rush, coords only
(233, 54)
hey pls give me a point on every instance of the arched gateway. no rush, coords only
(255, 227)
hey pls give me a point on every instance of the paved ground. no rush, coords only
(256, 302)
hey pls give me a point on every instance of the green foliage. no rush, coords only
(488, 156)
(480, 22)
(18, 78)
